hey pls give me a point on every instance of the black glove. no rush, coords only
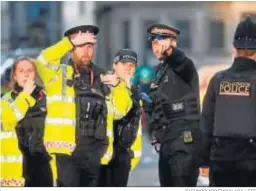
(175, 58)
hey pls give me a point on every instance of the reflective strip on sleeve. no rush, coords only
(7, 134)
(43, 61)
(11, 159)
(137, 153)
(110, 133)
(60, 121)
(110, 110)
(116, 112)
(12, 182)
(139, 132)
(54, 98)
(108, 155)
(14, 107)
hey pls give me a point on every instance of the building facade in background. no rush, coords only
(5, 23)
(38, 24)
(207, 28)
(76, 13)
(31, 24)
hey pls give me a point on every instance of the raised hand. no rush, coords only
(82, 38)
(29, 86)
(110, 79)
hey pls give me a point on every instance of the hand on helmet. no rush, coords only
(82, 38)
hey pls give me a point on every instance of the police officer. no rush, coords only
(173, 112)
(24, 109)
(127, 131)
(228, 122)
(79, 130)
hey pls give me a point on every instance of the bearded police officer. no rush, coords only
(82, 104)
(174, 111)
(127, 131)
(228, 115)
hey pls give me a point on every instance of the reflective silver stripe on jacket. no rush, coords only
(116, 112)
(110, 133)
(139, 133)
(43, 61)
(7, 134)
(60, 121)
(60, 98)
(137, 153)
(64, 79)
(14, 107)
(10, 158)
(108, 155)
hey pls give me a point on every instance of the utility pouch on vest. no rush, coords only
(127, 127)
(101, 129)
(92, 115)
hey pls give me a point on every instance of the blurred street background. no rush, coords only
(207, 30)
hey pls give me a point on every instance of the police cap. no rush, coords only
(126, 55)
(163, 30)
(83, 28)
(245, 34)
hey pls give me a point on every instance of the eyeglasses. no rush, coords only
(153, 37)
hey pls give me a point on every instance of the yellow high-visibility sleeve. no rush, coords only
(48, 62)
(13, 111)
(122, 101)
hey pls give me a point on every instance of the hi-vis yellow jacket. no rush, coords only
(12, 111)
(137, 148)
(137, 145)
(60, 123)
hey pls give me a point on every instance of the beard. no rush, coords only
(83, 62)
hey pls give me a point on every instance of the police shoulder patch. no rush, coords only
(235, 88)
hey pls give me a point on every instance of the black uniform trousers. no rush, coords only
(37, 172)
(70, 174)
(233, 174)
(178, 162)
(116, 174)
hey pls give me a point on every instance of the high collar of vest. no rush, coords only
(243, 64)
(17, 88)
(35, 93)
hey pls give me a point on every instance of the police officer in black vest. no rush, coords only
(36, 161)
(116, 174)
(228, 116)
(175, 111)
(91, 112)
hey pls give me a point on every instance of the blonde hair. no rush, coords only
(14, 67)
